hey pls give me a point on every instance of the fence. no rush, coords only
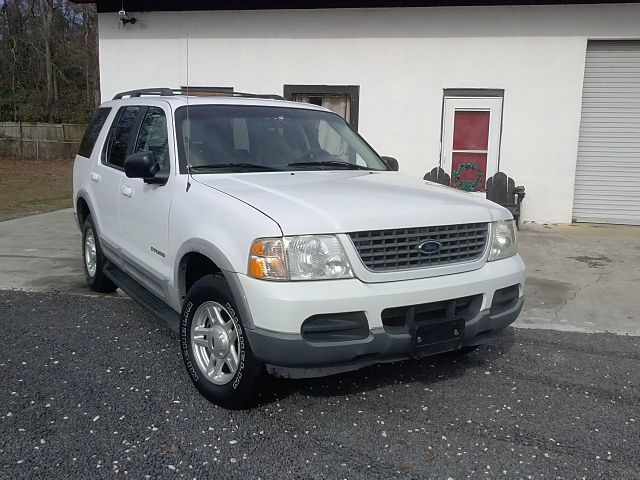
(41, 141)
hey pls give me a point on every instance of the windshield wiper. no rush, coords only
(241, 166)
(331, 163)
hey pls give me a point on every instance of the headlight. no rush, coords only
(504, 242)
(309, 257)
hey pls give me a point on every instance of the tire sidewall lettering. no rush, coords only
(234, 318)
(184, 342)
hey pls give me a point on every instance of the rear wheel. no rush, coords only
(215, 349)
(93, 260)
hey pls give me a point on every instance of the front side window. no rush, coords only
(120, 136)
(153, 137)
(238, 138)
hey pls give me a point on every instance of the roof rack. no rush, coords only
(199, 91)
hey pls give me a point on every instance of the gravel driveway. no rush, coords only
(96, 387)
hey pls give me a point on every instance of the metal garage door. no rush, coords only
(608, 170)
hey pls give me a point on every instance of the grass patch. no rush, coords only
(48, 201)
(28, 187)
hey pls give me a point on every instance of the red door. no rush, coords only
(470, 148)
(471, 141)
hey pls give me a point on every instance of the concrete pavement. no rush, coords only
(41, 253)
(580, 277)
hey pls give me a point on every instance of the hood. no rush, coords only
(353, 200)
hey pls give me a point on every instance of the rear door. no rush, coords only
(144, 208)
(107, 174)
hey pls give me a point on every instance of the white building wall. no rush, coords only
(402, 59)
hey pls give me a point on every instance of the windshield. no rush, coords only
(232, 138)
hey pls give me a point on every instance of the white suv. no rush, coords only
(270, 235)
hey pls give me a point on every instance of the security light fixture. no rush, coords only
(125, 18)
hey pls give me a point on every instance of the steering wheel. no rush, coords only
(312, 155)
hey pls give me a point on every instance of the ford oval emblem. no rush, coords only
(430, 246)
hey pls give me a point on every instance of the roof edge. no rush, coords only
(196, 5)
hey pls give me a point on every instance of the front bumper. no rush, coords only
(278, 310)
(291, 356)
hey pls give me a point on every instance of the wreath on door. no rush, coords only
(468, 185)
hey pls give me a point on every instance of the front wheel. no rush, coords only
(214, 346)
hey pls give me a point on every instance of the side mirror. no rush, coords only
(392, 163)
(144, 165)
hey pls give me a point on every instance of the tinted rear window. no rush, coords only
(121, 135)
(92, 131)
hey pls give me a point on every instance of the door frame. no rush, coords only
(353, 91)
(490, 100)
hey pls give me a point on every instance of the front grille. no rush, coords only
(397, 249)
(399, 319)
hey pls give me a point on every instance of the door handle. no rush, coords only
(126, 191)
(95, 176)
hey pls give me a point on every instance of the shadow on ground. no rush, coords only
(426, 371)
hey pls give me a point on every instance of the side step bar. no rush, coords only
(149, 301)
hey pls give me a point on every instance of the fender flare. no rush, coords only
(213, 253)
(84, 195)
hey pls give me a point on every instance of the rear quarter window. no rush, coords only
(93, 131)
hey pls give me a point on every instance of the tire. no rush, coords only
(94, 268)
(210, 348)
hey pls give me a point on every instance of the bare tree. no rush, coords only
(46, 19)
(13, 14)
(49, 60)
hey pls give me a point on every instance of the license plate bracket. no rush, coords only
(434, 338)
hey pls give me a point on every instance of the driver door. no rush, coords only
(144, 208)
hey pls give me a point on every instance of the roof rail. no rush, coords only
(199, 91)
(164, 92)
(271, 96)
